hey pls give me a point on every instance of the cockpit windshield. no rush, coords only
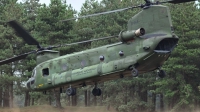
(34, 72)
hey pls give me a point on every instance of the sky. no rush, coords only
(76, 4)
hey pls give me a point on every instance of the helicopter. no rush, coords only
(144, 47)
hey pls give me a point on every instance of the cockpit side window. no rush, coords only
(45, 72)
(32, 82)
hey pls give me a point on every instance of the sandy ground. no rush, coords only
(47, 108)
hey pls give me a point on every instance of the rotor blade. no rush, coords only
(75, 43)
(103, 13)
(15, 58)
(23, 33)
(123, 9)
(179, 1)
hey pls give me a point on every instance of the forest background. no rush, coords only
(179, 90)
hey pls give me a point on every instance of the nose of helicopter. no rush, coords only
(30, 82)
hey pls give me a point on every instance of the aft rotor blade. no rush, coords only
(15, 58)
(75, 43)
(179, 1)
(24, 34)
(102, 13)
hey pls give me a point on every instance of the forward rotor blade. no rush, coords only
(75, 43)
(102, 13)
(179, 1)
(123, 9)
(23, 33)
(15, 58)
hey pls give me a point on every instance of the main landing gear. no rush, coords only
(134, 72)
(161, 73)
(71, 91)
(96, 91)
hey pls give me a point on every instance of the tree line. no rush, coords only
(179, 90)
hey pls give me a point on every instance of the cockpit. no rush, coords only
(31, 80)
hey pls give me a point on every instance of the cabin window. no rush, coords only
(45, 71)
(121, 53)
(101, 58)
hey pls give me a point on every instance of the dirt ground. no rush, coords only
(48, 108)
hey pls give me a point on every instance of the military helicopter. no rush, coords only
(144, 47)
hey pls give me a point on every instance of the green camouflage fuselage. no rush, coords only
(145, 53)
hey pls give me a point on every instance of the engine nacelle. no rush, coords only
(125, 36)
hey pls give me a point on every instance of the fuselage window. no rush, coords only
(45, 71)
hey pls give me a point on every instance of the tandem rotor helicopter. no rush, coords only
(144, 47)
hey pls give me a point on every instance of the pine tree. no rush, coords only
(10, 47)
(49, 30)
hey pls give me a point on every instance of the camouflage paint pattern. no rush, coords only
(145, 53)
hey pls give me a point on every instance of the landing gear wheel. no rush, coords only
(161, 73)
(99, 94)
(134, 72)
(44, 92)
(71, 91)
(96, 91)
